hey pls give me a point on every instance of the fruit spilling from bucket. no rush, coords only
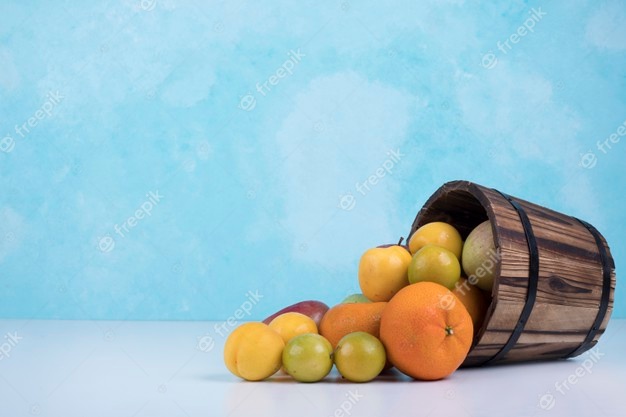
(420, 308)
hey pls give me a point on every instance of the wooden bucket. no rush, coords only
(555, 278)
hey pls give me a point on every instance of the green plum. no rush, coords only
(308, 357)
(360, 357)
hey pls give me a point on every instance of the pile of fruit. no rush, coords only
(417, 313)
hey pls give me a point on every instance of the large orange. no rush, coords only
(352, 317)
(426, 332)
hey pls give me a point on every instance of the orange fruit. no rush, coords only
(474, 299)
(354, 317)
(426, 332)
(438, 234)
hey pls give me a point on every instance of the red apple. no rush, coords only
(311, 308)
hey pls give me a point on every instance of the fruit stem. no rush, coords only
(449, 331)
(400, 241)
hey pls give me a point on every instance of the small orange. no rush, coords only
(426, 333)
(354, 317)
(474, 299)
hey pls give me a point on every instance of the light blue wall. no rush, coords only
(161, 96)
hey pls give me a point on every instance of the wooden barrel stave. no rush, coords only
(569, 283)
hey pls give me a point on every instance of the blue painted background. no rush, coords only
(170, 159)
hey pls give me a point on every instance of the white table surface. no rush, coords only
(101, 368)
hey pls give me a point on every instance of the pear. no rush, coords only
(479, 256)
